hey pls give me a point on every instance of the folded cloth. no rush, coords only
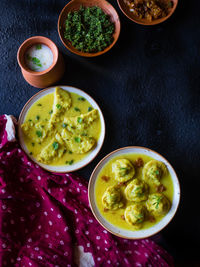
(45, 219)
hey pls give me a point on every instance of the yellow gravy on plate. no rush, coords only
(61, 128)
(134, 191)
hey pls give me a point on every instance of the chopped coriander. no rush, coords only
(76, 109)
(37, 117)
(81, 98)
(29, 120)
(39, 133)
(39, 104)
(51, 111)
(89, 108)
(64, 125)
(157, 172)
(77, 139)
(32, 144)
(38, 46)
(70, 152)
(55, 145)
(89, 29)
(79, 120)
(58, 106)
(70, 162)
(31, 153)
(36, 61)
(83, 134)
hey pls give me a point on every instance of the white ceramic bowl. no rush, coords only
(76, 165)
(127, 233)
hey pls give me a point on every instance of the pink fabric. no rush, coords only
(43, 216)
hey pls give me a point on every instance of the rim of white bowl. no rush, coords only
(143, 233)
(77, 165)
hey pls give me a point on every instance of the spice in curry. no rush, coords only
(149, 9)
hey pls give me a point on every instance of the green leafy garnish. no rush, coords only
(89, 108)
(76, 109)
(37, 117)
(32, 144)
(79, 120)
(70, 162)
(64, 125)
(30, 120)
(70, 152)
(36, 61)
(39, 105)
(38, 46)
(51, 111)
(157, 201)
(55, 145)
(39, 133)
(81, 98)
(89, 29)
(58, 106)
(157, 172)
(77, 139)
(31, 153)
(83, 134)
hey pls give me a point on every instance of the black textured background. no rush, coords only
(148, 87)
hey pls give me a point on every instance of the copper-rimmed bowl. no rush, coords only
(75, 5)
(125, 9)
(143, 233)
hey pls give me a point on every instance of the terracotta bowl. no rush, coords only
(75, 5)
(62, 168)
(143, 233)
(47, 77)
(125, 9)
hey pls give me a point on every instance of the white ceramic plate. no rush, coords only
(127, 233)
(89, 157)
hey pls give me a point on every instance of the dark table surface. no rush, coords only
(148, 87)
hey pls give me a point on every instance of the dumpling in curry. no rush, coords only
(153, 172)
(77, 143)
(81, 122)
(56, 148)
(136, 191)
(35, 131)
(158, 204)
(62, 102)
(123, 170)
(112, 198)
(135, 215)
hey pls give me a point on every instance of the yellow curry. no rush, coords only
(61, 128)
(134, 191)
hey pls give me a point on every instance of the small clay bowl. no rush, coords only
(47, 77)
(75, 5)
(125, 9)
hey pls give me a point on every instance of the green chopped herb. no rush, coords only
(83, 134)
(79, 120)
(32, 144)
(39, 133)
(70, 152)
(36, 61)
(38, 46)
(157, 172)
(70, 162)
(77, 139)
(37, 117)
(64, 125)
(81, 98)
(89, 108)
(31, 153)
(89, 29)
(51, 111)
(55, 145)
(76, 109)
(39, 105)
(58, 106)
(29, 120)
